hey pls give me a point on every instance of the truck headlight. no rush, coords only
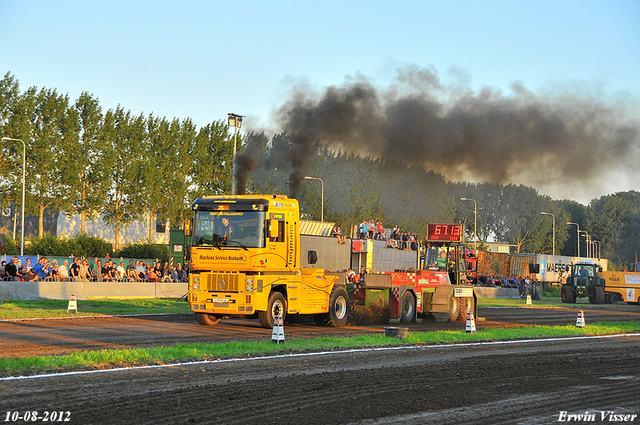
(249, 286)
(196, 279)
(195, 286)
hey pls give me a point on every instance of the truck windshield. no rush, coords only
(244, 229)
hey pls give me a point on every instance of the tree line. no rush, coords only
(127, 167)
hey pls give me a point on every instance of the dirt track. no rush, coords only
(23, 338)
(498, 383)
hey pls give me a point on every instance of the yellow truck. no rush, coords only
(245, 261)
(621, 286)
(252, 255)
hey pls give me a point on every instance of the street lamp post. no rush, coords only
(577, 235)
(235, 121)
(321, 195)
(475, 222)
(554, 230)
(588, 241)
(24, 160)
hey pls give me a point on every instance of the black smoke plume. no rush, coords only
(571, 136)
(246, 161)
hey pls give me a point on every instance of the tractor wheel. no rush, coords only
(207, 319)
(338, 307)
(408, 306)
(276, 306)
(457, 308)
(598, 295)
(568, 294)
(470, 304)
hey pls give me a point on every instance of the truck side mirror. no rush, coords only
(312, 257)
(188, 223)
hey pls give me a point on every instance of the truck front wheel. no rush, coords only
(207, 319)
(338, 307)
(276, 306)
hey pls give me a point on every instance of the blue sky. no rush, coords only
(203, 59)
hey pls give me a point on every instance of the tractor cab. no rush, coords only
(584, 281)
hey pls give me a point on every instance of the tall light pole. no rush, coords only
(24, 161)
(321, 195)
(588, 240)
(554, 230)
(475, 222)
(235, 121)
(577, 235)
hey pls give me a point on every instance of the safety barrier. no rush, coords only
(14, 290)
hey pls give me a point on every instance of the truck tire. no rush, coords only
(457, 308)
(207, 319)
(338, 307)
(276, 306)
(615, 298)
(568, 294)
(408, 306)
(322, 319)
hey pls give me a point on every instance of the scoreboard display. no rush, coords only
(445, 232)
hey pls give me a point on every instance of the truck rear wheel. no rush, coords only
(276, 306)
(408, 307)
(568, 294)
(207, 319)
(322, 319)
(338, 307)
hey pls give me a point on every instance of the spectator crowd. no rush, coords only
(376, 231)
(79, 269)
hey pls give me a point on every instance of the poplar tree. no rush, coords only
(123, 136)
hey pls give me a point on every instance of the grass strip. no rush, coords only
(24, 309)
(104, 359)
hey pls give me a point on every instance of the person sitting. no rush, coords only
(337, 233)
(63, 271)
(97, 271)
(152, 275)
(44, 271)
(225, 230)
(120, 272)
(84, 274)
(74, 269)
(441, 261)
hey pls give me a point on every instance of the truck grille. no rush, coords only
(222, 282)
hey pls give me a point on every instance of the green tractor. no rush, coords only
(584, 281)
